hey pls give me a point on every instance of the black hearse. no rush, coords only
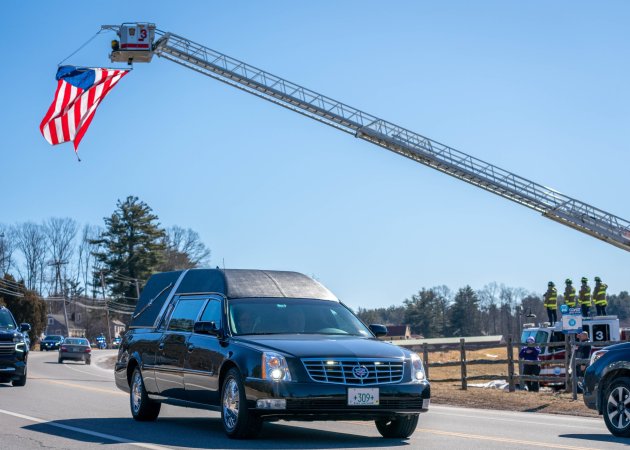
(262, 346)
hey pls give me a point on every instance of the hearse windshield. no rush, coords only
(251, 316)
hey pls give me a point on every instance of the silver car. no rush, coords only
(77, 349)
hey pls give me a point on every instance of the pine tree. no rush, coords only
(25, 305)
(130, 249)
(464, 313)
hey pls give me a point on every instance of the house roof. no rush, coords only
(397, 330)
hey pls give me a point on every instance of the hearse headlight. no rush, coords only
(274, 367)
(417, 369)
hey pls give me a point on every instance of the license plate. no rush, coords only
(363, 396)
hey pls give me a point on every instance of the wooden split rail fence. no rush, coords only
(512, 361)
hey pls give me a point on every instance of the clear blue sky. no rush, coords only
(538, 88)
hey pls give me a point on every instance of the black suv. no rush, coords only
(13, 349)
(51, 342)
(607, 387)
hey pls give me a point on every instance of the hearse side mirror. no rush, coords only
(208, 328)
(24, 327)
(378, 330)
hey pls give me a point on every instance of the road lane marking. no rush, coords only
(92, 374)
(80, 386)
(487, 438)
(500, 439)
(109, 437)
(529, 422)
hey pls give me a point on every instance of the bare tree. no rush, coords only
(7, 247)
(510, 299)
(184, 250)
(489, 299)
(60, 233)
(31, 241)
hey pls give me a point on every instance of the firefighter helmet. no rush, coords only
(568, 281)
(550, 283)
(584, 279)
(598, 279)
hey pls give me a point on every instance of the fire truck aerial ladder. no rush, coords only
(138, 42)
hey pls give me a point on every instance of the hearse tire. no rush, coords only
(143, 409)
(400, 427)
(237, 421)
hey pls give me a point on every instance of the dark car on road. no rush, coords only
(51, 342)
(264, 346)
(75, 349)
(607, 387)
(13, 349)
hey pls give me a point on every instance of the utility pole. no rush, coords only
(109, 331)
(2, 252)
(58, 282)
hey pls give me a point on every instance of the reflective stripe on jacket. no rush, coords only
(599, 294)
(551, 298)
(569, 296)
(585, 295)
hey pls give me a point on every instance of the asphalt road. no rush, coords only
(73, 406)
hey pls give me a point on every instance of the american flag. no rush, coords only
(79, 92)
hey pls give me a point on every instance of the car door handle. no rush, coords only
(161, 346)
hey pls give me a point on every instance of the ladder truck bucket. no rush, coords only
(135, 43)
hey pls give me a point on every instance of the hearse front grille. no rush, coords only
(354, 371)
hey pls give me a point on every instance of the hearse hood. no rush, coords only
(314, 346)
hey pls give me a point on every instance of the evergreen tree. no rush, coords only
(26, 306)
(619, 305)
(464, 313)
(130, 249)
(423, 312)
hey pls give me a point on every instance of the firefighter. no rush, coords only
(569, 293)
(585, 297)
(551, 302)
(599, 296)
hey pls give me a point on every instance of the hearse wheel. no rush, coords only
(143, 408)
(401, 426)
(238, 422)
(617, 407)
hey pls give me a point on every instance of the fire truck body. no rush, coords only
(601, 329)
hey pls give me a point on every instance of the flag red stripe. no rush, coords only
(64, 119)
(77, 114)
